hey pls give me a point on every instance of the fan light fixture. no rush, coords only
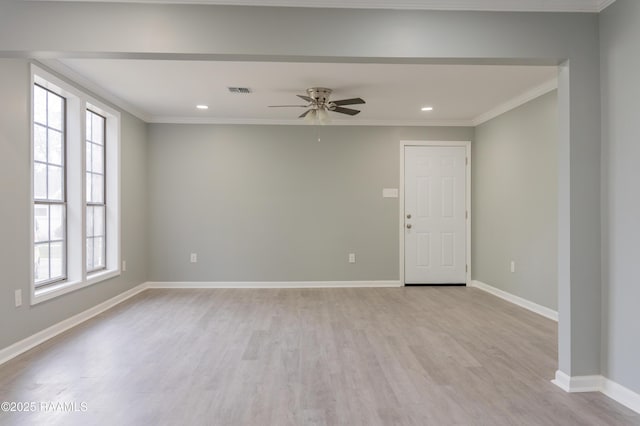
(319, 105)
(311, 117)
(318, 115)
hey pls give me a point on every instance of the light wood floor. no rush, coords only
(407, 356)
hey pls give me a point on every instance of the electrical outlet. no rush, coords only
(124, 265)
(352, 258)
(18, 297)
(194, 257)
(513, 266)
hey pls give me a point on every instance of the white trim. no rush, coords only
(300, 122)
(517, 300)
(54, 290)
(93, 87)
(474, 5)
(42, 336)
(271, 284)
(597, 383)
(467, 145)
(562, 380)
(78, 100)
(621, 394)
(603, 4)
(577, 384)
(517, 101)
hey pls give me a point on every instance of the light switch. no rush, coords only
(389, 192)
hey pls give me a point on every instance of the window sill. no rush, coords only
(52, 291)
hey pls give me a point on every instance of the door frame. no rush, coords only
(467, 146)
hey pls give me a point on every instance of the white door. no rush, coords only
(435, 215)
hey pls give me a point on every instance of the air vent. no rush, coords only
(239, 89)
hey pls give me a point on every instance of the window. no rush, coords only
(49, 189)
(75, 181)
(95, 188)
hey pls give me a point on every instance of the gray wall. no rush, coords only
(156, 31)
(515, 201)
(620, 56)
(272, 203)
(21, 322)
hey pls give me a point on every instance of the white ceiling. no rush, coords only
(168, 91)
(488, 5)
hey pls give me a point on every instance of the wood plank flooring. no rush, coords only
(396, 356)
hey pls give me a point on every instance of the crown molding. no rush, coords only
(603, 4)
(301, 122)
(87, 84)
(521, 99)
(588, 6)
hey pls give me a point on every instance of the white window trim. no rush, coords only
(77, 104)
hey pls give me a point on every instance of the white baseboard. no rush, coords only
(578, 383)
(621, 394)
(517, 300)
(597, 383)
(271, 284)
(42, 336)
(562, 380)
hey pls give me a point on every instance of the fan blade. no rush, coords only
(352, 101)
(347, 111)
(305, 98)
(304, 114)
(288, 106)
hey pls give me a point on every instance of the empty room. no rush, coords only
(281, 212)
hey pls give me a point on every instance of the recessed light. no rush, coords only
(427, 108)
(202, 106)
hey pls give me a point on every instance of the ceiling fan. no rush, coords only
(319, 105)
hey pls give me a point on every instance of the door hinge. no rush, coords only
(466, 161)
(466, 214)
(466, 268)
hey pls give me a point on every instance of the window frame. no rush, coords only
(102, 204)
(47, 201)
(77, 103)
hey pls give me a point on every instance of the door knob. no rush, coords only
(408, 226)
(409, 216)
